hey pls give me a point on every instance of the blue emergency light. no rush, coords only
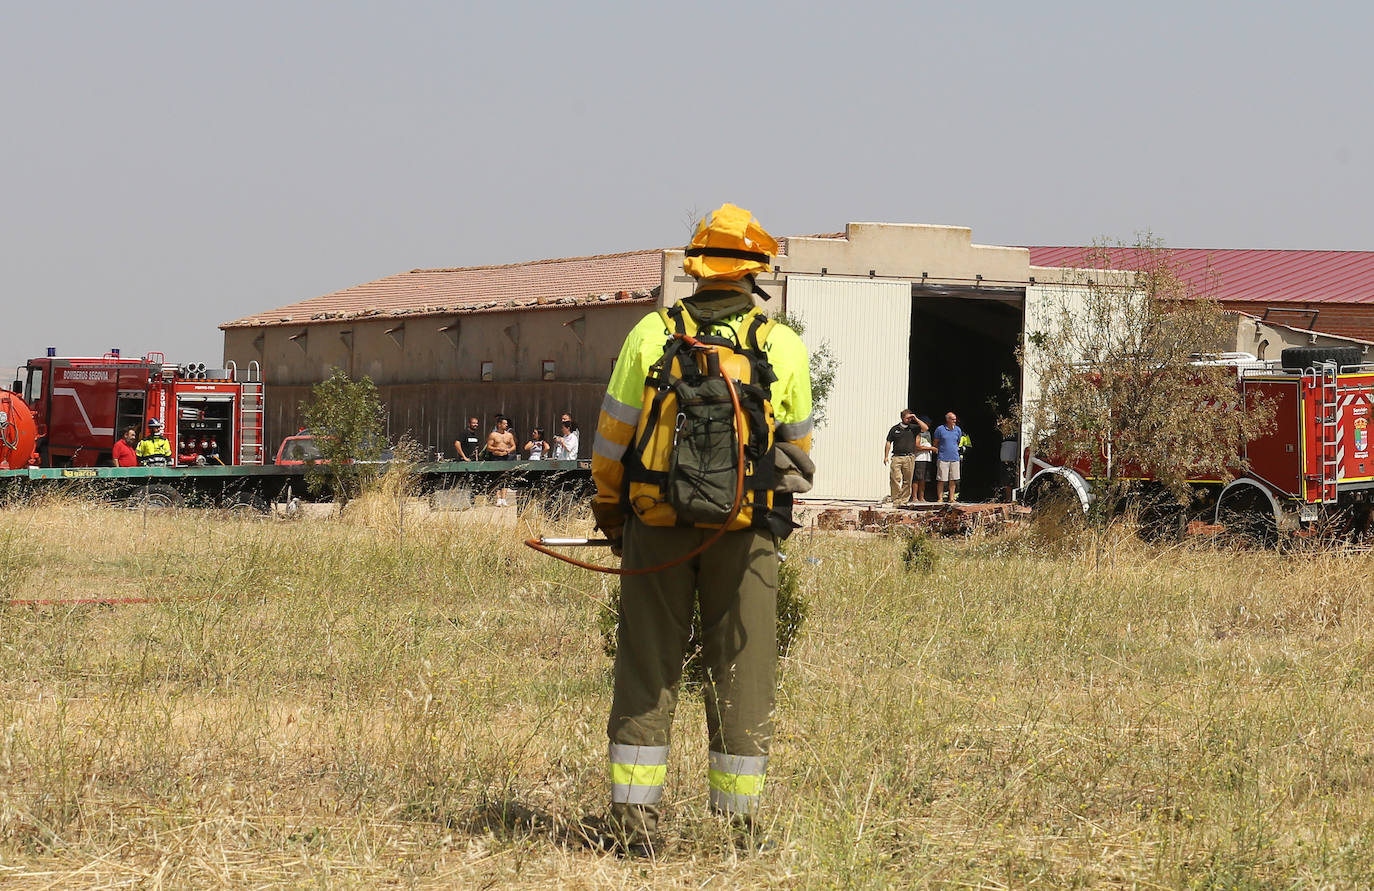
(52, 351)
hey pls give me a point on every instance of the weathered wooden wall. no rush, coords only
(434, 414)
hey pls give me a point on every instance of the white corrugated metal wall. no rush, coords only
(868, 325)
(1046, 308)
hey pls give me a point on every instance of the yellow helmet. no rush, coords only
(729, 244)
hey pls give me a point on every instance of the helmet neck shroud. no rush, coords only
(716, 300)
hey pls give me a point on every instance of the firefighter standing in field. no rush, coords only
(154, 450)
(734, 581)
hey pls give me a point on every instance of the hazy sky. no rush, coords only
(170, 166)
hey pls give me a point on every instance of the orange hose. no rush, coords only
(535, 544)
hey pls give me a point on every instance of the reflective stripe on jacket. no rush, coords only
(154, 450)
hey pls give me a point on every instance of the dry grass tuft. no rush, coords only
(414, 698)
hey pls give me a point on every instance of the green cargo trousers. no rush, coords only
(736, 583)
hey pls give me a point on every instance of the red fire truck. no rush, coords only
(1313, 461)
(81, 404)
(58, 426)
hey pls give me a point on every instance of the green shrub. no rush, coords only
(919, 554)
(348, 423)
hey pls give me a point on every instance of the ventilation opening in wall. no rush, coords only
(488, 371)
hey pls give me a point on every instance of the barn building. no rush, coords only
(528, 340)
(916, 315)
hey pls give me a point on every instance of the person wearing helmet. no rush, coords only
(154, 450)
(733, 583)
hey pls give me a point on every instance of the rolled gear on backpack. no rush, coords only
(796, 472)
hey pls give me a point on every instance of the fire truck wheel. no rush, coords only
(1055, 507)
(1249, 520)
(1310, 357)
(155, 496)
(1162, 522)
(246, 504)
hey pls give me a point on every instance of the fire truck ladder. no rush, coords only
(250, 418)
(1329, 465)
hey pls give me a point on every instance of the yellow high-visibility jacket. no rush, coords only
(624, 400)
(155, 450)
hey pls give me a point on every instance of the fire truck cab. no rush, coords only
(82, 404)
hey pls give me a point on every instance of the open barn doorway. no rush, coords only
(963, 359)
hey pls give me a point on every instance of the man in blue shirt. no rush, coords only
(946, 438)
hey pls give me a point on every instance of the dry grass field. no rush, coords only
(354, 702)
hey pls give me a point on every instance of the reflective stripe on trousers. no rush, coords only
(737, 782)
(637, 773)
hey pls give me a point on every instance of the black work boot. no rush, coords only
(609, 836)
(748, 836)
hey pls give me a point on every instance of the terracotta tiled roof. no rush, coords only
(1251, 275)
(607, 278)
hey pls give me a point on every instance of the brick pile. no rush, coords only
(956, 519)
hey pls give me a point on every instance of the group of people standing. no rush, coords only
(916, 454)
(501, 443)
(153, 450)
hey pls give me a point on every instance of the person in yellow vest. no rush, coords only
(154, 450)
(733, 582)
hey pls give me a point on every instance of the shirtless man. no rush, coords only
(501, 442)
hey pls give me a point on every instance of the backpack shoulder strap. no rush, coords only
(674, 319)
(760, 326)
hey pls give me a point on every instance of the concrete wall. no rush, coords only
(1267, 341)
(944, 254)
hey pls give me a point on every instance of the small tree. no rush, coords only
(346, 419)
(1123, 381)
(823, 364)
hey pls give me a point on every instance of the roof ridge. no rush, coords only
(536, 262)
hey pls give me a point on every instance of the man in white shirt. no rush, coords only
(565, 443)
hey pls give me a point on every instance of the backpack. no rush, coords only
(680, 469)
